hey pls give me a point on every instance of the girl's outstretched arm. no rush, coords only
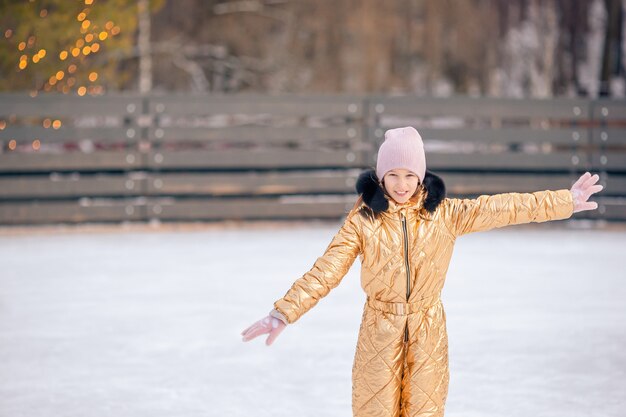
(306, 291)
(326, 273)
(492, 211)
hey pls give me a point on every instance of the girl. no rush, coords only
(403, 229)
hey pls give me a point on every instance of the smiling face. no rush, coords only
(400, 184)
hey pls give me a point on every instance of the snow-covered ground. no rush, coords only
(147, 323)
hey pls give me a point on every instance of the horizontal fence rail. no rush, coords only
(117, 158)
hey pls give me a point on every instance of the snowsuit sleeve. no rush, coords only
(492, 211)
(326, 273)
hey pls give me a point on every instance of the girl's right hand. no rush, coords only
(268, 324)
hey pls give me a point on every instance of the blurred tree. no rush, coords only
(435, 47)
(60, 45)
(573, 25)
(612, 52)
(488, 47)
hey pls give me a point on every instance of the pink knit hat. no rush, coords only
(402, 148)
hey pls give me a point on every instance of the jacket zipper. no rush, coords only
(408, 270)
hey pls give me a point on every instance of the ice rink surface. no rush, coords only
(147, 324)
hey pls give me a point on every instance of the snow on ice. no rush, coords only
(133, 324)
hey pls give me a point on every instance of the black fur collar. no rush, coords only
(374, 196)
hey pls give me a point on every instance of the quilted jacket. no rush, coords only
(401, 361)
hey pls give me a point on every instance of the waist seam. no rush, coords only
(402, 309)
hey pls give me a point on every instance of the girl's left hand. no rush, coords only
(582, 189)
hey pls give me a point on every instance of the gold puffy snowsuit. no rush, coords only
(401, 361)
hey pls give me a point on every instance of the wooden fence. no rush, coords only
(119, 158)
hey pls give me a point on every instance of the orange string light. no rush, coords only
(87, 43)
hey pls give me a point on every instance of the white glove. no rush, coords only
(582, 189)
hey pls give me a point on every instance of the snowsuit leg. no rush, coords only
(426, 374)
(394, 378)
(378, 363)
